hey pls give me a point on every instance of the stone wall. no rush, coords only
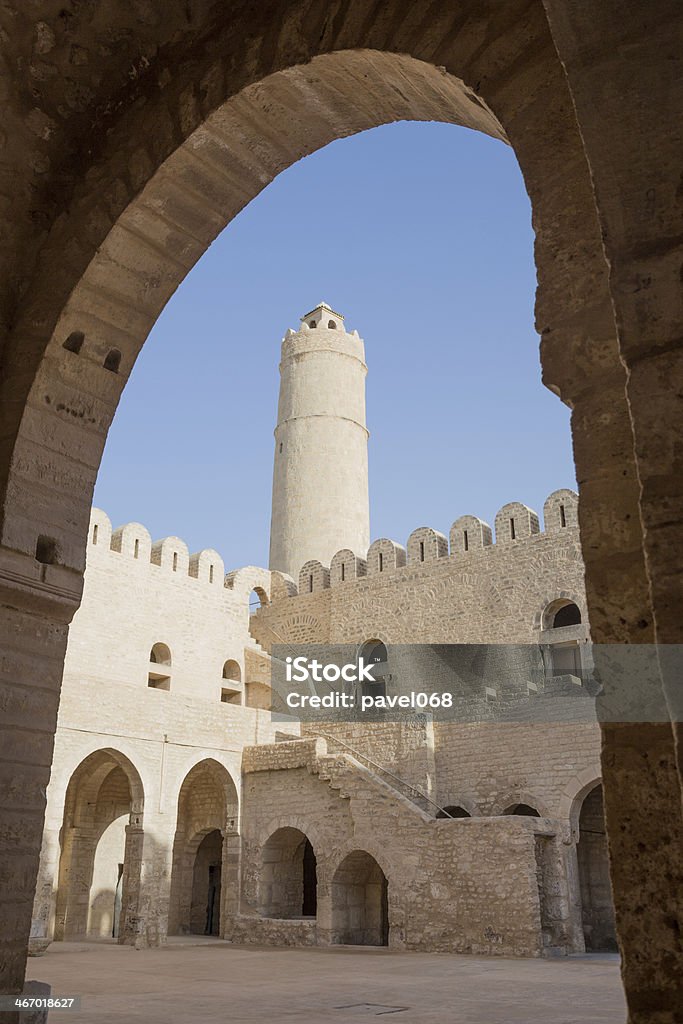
(468, 885)
(136, 595)
(491, 593)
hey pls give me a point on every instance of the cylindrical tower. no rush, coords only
(320, 476)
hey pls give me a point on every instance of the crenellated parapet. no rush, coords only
(515, 523)
(132, 544)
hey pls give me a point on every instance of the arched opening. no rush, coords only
(232, 671)
(288, 883)
(74, 342)
(522, 810)
(231, 690)
(160, 654)
(563, 654)
(374, 654)
(360, 902)
(159, 672)
(101, 847)
(332, 325)
(257, 599)
(523, 126)
(112, 360)
(567, 614)
(453, 811)
(205, 907)
(200, 882)
(597, 907)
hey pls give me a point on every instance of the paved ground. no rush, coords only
(213, 982)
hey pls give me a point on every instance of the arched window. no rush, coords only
(288, 883)
(313, 323)
(453, 811)
(257, 599)
(567, 615)
(523, 811)
(597, 908)
(74, 343)
(112, 361)
(360, 902)
(332, 325)
(159, 673)
(374, 653)
(564, 652)
(231, 690)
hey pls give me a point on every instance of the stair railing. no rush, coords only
(407, 785)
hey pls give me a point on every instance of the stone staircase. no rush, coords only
(344, 773)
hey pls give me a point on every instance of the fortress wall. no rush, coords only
(489, 863)
(486, 767)
(494, 594)
(133, 598)
(489, 593)
(131, 603)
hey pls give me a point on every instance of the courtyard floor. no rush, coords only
(209, 981)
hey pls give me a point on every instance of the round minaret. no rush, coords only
(320, 476)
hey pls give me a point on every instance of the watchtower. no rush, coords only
(320, 475)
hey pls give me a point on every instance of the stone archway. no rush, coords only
(105, 225)
(288, 880)
(98, 884)
(597, 906)
(360, 902)
(204, 881)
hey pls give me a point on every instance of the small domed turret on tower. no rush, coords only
(320, 474)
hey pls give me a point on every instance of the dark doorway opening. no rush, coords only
(310, 901)
(206, 886)
(597, 907)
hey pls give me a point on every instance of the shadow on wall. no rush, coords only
(360, 902)
(597, 907)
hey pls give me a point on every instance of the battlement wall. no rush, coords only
(132, 542)
(155, 616)
(466, 589)
(514, 523)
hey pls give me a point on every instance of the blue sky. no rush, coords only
(420, 234)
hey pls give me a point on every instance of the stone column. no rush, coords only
(642, 797)
(631, 137)
(37, 603)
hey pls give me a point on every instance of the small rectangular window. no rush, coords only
(175, 560)
(310, 584)
(512, 529)
(155, 682)
(94, 534)
(210, 574)
(343, 572)
(381, 562)
(467, 543)
(422, 551)
(136, 550)
(563, 518)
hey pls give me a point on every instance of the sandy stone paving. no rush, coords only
(212, 981)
